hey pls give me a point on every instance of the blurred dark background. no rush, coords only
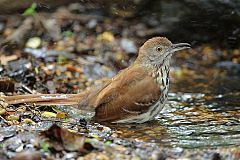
(203, 21)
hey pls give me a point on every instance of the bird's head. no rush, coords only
(159, 49)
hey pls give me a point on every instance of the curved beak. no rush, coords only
(180, 46)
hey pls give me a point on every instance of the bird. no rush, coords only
(135, 95)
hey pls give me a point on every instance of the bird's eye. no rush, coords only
(159, 49)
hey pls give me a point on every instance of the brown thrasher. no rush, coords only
(135, 95)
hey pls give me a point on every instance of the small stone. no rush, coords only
(20, 148)
(92, 23)
(34, 42)
(2, 111)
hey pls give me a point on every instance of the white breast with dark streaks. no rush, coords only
(162, 78)
(163, 81)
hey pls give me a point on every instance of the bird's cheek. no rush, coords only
(151, 58)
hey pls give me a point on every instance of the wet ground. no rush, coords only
(194, 120)
(200, 121)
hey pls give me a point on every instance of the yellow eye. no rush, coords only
(159, 49)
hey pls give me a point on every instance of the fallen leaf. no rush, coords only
(61, 115)
(68, 140)
(5, 59)
(49, 114)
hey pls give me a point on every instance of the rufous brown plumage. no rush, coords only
(135, 95)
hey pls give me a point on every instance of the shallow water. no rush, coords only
(194, 120)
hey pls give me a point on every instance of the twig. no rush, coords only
(4, 120)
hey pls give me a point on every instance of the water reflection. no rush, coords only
(192, 120)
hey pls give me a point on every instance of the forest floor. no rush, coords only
(67, 51)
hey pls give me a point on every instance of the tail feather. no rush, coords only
(84, 100)
(45, 99)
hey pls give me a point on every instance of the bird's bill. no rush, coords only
(180, 46)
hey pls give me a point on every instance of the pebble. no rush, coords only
(34, 42)
(92, 23)
(20, 148)
(2, 111)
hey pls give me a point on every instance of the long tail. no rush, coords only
(45, 99)
(83, 100)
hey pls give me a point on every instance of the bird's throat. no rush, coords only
(161, 75)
